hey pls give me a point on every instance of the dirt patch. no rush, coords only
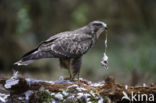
(63, 90)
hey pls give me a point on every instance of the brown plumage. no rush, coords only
(68, 46)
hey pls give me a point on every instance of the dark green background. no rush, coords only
(131, 36)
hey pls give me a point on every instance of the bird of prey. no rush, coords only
(68, 46)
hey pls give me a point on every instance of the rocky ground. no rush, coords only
(26, 90)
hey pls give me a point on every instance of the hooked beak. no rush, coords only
(105, 26)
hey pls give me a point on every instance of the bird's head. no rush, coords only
(97, 27)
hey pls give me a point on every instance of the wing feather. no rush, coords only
(67, 45)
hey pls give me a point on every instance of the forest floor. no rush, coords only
(26, 90)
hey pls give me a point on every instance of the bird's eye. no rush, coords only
(97, 24)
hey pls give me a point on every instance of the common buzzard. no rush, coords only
(68, 46)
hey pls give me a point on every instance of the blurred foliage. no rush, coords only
(131, 36)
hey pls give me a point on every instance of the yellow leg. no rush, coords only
(70, 73)
(78, 77)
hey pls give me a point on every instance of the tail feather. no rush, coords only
(31, 52)
(29, 57)
(23, 62)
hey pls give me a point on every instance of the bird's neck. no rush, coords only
(98, 33)
(84, 29)
(88, 31)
